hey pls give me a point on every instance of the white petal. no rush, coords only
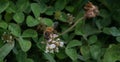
(10, 37)
(58, 39)
(51, 51)
(61, 44)
(52, 46)
(56, 49)
(55, 35)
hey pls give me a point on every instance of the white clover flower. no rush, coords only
(52, 46)
(61, 44)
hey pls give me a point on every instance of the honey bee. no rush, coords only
(49, 31)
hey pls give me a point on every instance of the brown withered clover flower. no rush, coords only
(91, 10)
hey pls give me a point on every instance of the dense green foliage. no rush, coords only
(91, 40)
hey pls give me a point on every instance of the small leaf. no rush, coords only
(118, 39)
(22, 5)
(21, 56)
(114, 31)
(3, 5)
(24, 44)
(29, 60)
(36, 9)
(112, 53)
(85, 52)
(43, 7)
(95, 51)
(92, 39)
(89, 30)
(106, 30)
(19, 17)
(15, 29)
(47, 21)
(49, 57)
(50, 11)
(70, 8)
(29, 33)
(72, 53)
(3, 25)
(74, 43)
(30, 21)
(60, 4)
(61, 54)
(5, 50)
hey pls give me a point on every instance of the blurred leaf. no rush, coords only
(110, 4)
(104, 13)
(19, 17)
(89, 30)
(72, 53)
(24, 44)
(92, 39)
(85, 51)
(49, 57)
(30, 21)
(29, 60)
(8, 17)
(3, 25)
(29, 33)
(15, 29)
(78, 28)
(36, 9)
(106, 30)
(61, 54)
(70, 8)
(47, 21)
(12, 7)
(5, 50)
(21, 56)
(3, 5)
(114, 31)
(118, 39)
(50, 11)
(22, 5)
(116, 15)
(112, 53)
(60, 4)
(43, 7)
(95, 51)
(74, 43)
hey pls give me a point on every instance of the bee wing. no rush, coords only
(55, 25)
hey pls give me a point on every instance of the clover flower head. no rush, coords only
(53, 44)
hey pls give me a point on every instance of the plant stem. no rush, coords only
(72, 26)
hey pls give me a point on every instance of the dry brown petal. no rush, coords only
(90, 14)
